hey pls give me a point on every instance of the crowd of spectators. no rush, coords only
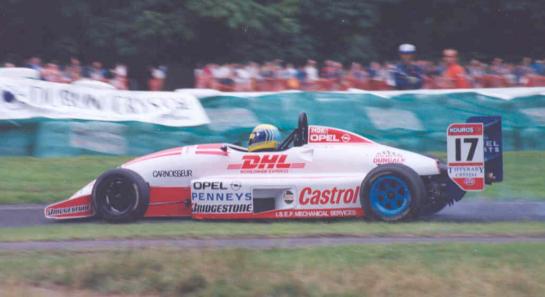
(277, 75)
(409, 73)
(74, 71)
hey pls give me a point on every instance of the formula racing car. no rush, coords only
(316, 172)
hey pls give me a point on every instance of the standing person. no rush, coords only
(120, 81)
(72, 72)
(96, 72)
(454, 76)
(289, 74)
(407, 75)
(523, 71)
(52, 73)
(157, 80)
(311, 75)
(242, 78)
(34, 63)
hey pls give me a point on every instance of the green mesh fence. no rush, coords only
(411, 121)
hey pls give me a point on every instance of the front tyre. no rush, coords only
(120, 195)
(392, 192)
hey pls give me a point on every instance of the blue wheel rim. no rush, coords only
(389, 196)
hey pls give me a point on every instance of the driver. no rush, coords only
(264, 138)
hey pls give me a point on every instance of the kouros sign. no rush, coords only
(27, 98)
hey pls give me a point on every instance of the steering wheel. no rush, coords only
(301, 137)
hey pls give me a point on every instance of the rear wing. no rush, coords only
(475, 152)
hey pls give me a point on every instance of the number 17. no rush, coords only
(471, 153)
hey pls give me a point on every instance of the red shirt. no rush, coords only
(457, 76)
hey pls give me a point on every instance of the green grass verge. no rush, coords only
(37, 180)
(374, 270)
(33, 180)
(523, 178)
(246, 229)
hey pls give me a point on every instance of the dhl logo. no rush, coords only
(266, 161)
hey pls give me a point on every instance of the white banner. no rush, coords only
(27, 98)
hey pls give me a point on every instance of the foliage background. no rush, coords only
(190, 32)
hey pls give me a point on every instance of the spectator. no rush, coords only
(301, 76)
(243, 80)
(72, 72)
(454, 75)
(357, 77)
(157, 80)
(96, 72)
(476, 72)
(523, 72)
(9, 65)
(539, 67)
(289, 75)
(407, 74)
(311, 71)
(120, 81)
(224, 76)
(35, 63)
(52, 73)
(379, 77)
(327, 70)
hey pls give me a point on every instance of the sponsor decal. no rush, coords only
(309, 196)
(222, 208)
(346, 138)
(215, 196)
(198, 185)
(461, 130)
(465, 129)
(235, 186)
(53, 212)
(319, 134)
(465, 155)
(288, 197)
(469, 181)
(492, 146)
(466, 171)
(329, 138)
(388, 157)
(313, 213)
(220, 197)
(172, 173)
(267, 163)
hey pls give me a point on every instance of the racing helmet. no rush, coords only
(264, 137)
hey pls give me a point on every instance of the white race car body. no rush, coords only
(322, 178)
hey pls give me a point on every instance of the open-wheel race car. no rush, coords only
(316, 172)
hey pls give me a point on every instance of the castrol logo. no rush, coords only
(309, 196)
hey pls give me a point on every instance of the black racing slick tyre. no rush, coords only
(392, 192)
(120, 195)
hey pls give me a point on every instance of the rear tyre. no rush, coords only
(120, 195)
(392, 192)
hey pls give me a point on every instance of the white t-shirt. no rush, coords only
(223, 72)
(242, 75)
(312, 73)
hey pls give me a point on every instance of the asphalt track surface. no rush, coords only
(471, 211)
